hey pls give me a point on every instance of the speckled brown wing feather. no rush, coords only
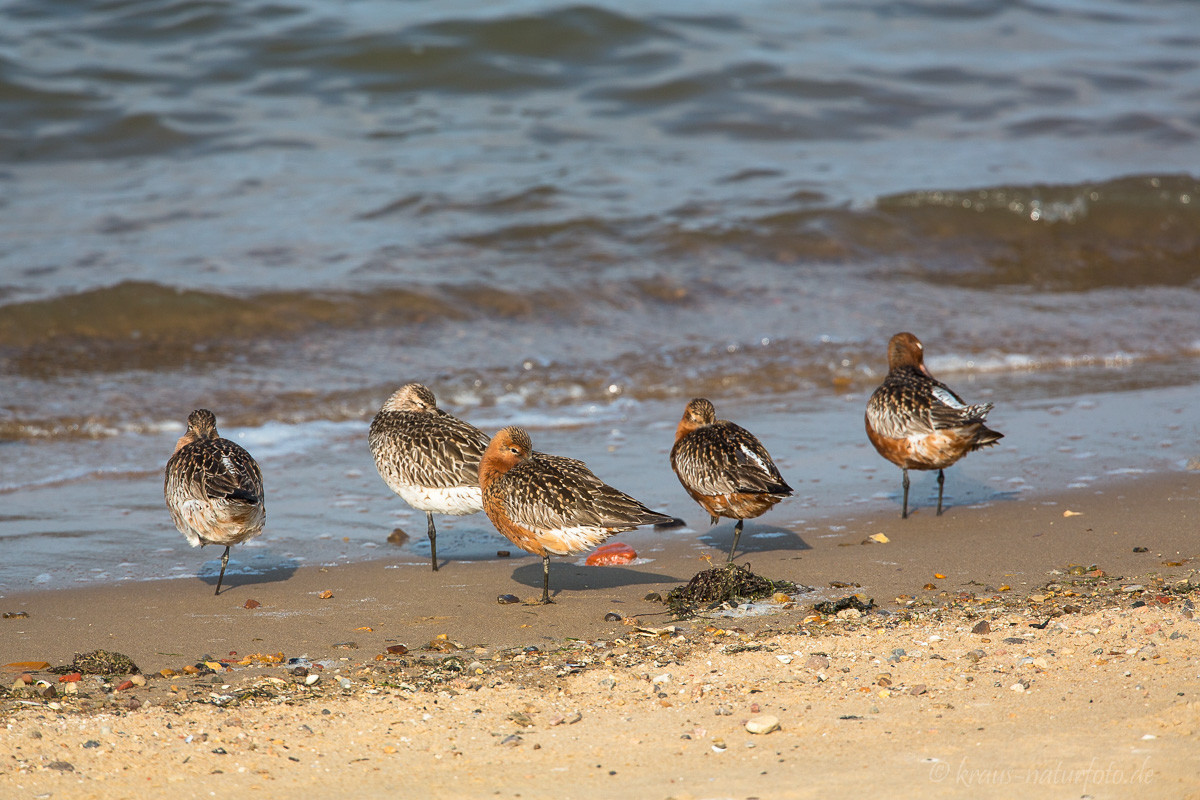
(449, 448)
(215, 469)
(910, 403)
(725, 458)
(900, 407)
(546, 492)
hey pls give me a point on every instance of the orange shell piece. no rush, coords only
(614, 554)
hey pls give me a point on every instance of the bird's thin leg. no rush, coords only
(432, 531)
(941, 481)
(224, 563)
(546, 580)
(904, 513)
(737, 534)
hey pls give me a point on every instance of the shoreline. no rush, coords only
(480, 699)
(1001, 543)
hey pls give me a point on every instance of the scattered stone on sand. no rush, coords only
(817, 662)
(507, 599)
(982, 627)
(397, 536)
(252, 604)
(765, 723)
(612, 616)
(16, 614)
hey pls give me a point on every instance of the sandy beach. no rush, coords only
(1045, 647)
(575, 218)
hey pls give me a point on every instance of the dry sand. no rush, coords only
(1083, 683)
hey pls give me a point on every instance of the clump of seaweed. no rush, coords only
(728, 583)
(852, 601)
(99, 662)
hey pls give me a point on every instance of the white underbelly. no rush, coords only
(567, 541)
(456, 500)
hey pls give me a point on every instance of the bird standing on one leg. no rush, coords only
(551, 504)
(917, 422)
(213, 488)
(427, 456)
(724, 467)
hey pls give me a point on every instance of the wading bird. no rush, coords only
(724, 467)
(551, 504)
(427, 456)
(213, 488)
(917, 422)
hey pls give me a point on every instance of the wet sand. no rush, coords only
(1105, 662)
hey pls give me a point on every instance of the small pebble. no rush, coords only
(507, 599)
(765, 723)
(397, 649)
(503, 553)
(612, 616)
(311, 679)
(817, 662)
(982, 627)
